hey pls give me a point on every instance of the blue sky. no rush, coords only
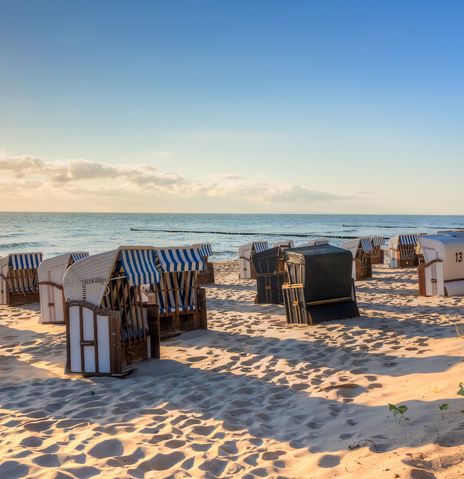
(255, 106)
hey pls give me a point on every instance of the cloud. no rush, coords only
(29, 176)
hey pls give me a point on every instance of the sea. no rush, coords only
(56, 233)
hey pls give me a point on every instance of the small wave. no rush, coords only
(22, 244)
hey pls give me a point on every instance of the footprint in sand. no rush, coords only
(107, 448)
(31, 441)
(47, 460)
(83, 472)
(13, 470)
(39, 426)
(159, 462)
(329, 460)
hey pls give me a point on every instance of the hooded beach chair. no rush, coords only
(181, 300)
(320, 287)
(402, 251)
(270, 275)
(245, 254)
(18, 278)
(361, 249)
(50, 274)
(377, 254)
(316, 242)
(285, 244)
(207, 275)
(110, 325)
(442, 272)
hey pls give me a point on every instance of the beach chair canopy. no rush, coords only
(327, 271)
(317, 242)
(358, 244)
(87, 279)
(139, 266)
(402, 240)
(19, 261)
(287, 244)
(79, 255)
(205, 249)
(248, 249)
(377, 241)
(56, 266)
(176, 260)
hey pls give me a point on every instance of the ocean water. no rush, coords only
(55, 233)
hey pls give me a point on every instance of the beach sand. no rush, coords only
(252, 397)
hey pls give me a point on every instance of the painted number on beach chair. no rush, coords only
(459, 257)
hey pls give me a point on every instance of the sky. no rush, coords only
(237, 106)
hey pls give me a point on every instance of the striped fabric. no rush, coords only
(377, 240)
(176, 260)
(318, 242)
(140, 266)
(172, 299)
(205, 249)
(366, 245)
(407, 239)
(25, 260)
(78, 256)
(260, 246)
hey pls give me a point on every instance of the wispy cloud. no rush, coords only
(78, 177)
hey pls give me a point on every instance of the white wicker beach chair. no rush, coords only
(50, 275)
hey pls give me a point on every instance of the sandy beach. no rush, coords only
(251, 397)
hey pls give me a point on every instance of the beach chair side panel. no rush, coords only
(295, 306)
(207, 276)
(93, 340)
(52, 304)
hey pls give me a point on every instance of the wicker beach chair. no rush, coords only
(270, 275)
(317, 242)
(245, 254)
(320, 286)
(110, 324)
(377, 254)
(50, 275)
(181, 300)
(18, 278)
(361, 249)
(402, 251)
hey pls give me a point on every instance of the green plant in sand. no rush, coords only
(398, 411)
(461, 389)
(443, 407)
